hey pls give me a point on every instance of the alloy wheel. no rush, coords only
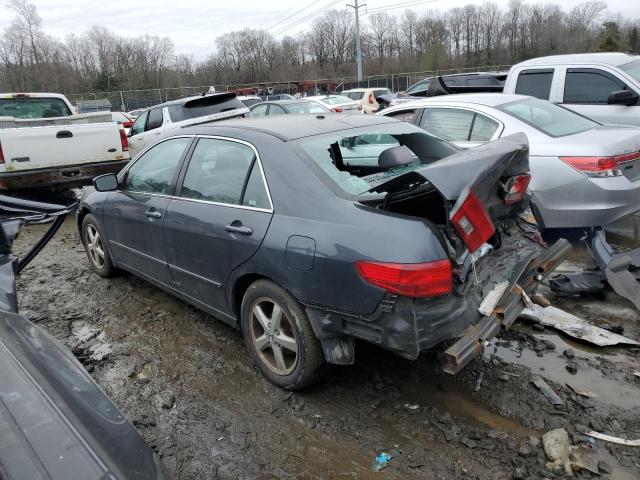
(273, 336)
(94, 246)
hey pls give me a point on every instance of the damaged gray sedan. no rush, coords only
(308, 232)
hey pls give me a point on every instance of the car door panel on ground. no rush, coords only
(217, 220)
(134, 214)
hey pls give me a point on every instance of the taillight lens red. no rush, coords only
(371, 99)
(336, 109)
(1, 154)
(600, 166)
(472, 221)
(431, 279)
(515, 188)
(127, 124)
(124, 140)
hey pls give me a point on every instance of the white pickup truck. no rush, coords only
(43, 143)
(601, 86)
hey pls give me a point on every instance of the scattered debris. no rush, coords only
(569, 353)
(611, 439)
(557, 448)
(411, 406)
(540, 299)
(574, 283)
(582, 393)
(574, 326)
(637, 374)
(584, 458)
(490, 302)
(572, 368)
(604, 467)
(547, 391)
(380, 461)
(479, 381)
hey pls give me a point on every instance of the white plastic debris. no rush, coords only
(574, 326)
(493, 297)
(611, 439)
(557, 447)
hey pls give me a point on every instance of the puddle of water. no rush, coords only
(552, 366)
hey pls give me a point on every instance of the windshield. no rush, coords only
(551, 119)
(354, 95)
(419, 87)
(31, 107)
(632, 69)
(305, 107)
(356, 160)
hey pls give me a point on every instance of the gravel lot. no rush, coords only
(189, 386)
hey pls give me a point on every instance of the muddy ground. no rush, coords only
(187, 383)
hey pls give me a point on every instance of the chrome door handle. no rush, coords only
(153, 214)
(241, 229)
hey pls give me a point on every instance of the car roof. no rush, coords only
(487, 99)
(182, 101)
(291, 127)
(613, 58)
(288, 101)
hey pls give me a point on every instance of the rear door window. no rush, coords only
(153, 172)
(217, 171)
(448, 123)
(483, 128)
(276, 110)
(535, 82)
(355, 95)
(155, 119)
(589, 85)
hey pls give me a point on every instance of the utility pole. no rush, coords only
(356, 9)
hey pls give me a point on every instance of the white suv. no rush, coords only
(367, 97)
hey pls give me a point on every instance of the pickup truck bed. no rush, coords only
(60, 151)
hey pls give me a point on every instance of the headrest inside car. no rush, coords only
(395, 157)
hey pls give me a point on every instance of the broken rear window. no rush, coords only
(358, 159)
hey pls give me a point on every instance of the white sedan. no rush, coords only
(337, 103)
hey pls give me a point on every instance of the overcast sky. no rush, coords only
(193, 25)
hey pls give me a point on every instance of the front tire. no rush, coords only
(95, 247)
(279, 337)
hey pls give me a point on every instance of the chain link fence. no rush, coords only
(128, 100)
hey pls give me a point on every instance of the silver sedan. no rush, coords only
(583, 173)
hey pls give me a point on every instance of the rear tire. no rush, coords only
(279, 337)
(95, 246)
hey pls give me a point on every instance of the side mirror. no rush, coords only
(623, 97)
(106, 183)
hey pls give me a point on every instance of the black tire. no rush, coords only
(100, 264)
(309, 360)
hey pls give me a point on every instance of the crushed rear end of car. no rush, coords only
(472, 202)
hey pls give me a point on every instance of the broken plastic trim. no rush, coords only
(524, 279)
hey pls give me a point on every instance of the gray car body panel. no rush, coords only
(55, 421)
(564, 197)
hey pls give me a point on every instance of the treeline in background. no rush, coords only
(471, 36)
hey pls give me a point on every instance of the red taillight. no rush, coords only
(124, 140)
(472, 221)
(430, 279)
(515, 188)
(1, 154)
(600, 166)
(371, 99)
(336, 109)
(128, 124)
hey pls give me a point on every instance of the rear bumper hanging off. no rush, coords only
(525, 278)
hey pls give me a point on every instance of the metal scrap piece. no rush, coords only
(574, 326)
(491, 300)
(547, 391)
(582, 393)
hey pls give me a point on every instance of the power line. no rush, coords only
(305, 18)
(292, 15)
(398, 5)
